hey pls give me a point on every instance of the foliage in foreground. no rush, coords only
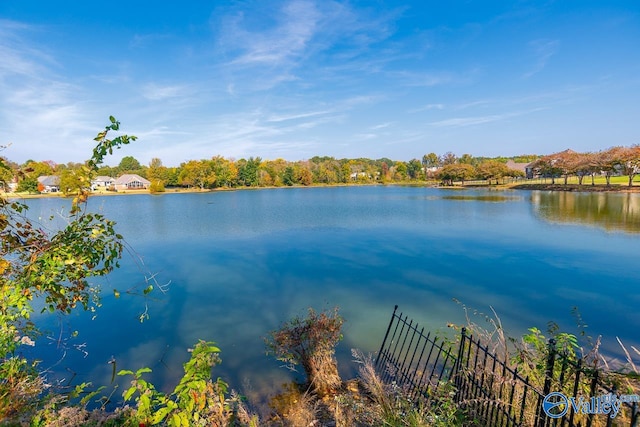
(197, 400)
(54, 268)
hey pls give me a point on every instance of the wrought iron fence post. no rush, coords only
(548, 378)
(548, 373)
(386, 335)
(457, 381)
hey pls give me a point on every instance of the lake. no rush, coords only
(239, 263)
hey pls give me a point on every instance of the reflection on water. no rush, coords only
(483, 198)
(609, 211)
(240, 263)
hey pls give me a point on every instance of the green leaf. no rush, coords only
(125, 372)
(112, 119)
(127, 395)
(145, 402)
(142, 371)
(175, 419)
(160, 415)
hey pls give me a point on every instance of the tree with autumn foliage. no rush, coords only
(629, 160)
(492, 169)
(456, 172)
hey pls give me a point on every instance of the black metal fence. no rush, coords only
(491, 392)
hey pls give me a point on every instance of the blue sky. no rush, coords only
(299, 78)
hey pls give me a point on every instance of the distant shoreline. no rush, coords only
(579, 188)
(616, 188)
(177, 191)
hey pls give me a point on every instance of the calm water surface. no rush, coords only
(240, 263)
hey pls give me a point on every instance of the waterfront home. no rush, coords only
(48, 184)
(525, 168)
(102, 183)
(131, 181)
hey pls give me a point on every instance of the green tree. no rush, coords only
(400, 171)
(71, 181)
(105, 170)
(173, 177)
(275, 169)
(54, 269)
(248, 171)
(157, 172)
(288, 177)
(28, 185)
(225, 171)
(468, 159)
(33, 169)
(197, 173)
(129, 164)
(414, 168)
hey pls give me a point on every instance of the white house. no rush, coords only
(102, 182)
(131, 181)
(49, 183)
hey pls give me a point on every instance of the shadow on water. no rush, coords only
(613, 212)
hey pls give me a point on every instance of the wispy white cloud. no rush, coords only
(426, 79)
(303, 42)
(37, 105)
(381, 126)
(288, 38)
(479, 120)
(473, 104)
(543, 51)
(427, 107)
(19, 57)
(156, 92)
(283, 118)
(144, 40)
(469, 121)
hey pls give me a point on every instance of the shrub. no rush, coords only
(197, 400)
(156, 187)
(311, 342)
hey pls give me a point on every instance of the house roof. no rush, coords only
(517, 166)
(49, 180)
(103, 178)
(131, 177)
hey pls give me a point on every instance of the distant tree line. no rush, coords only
(613, 161)
(221, 172)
